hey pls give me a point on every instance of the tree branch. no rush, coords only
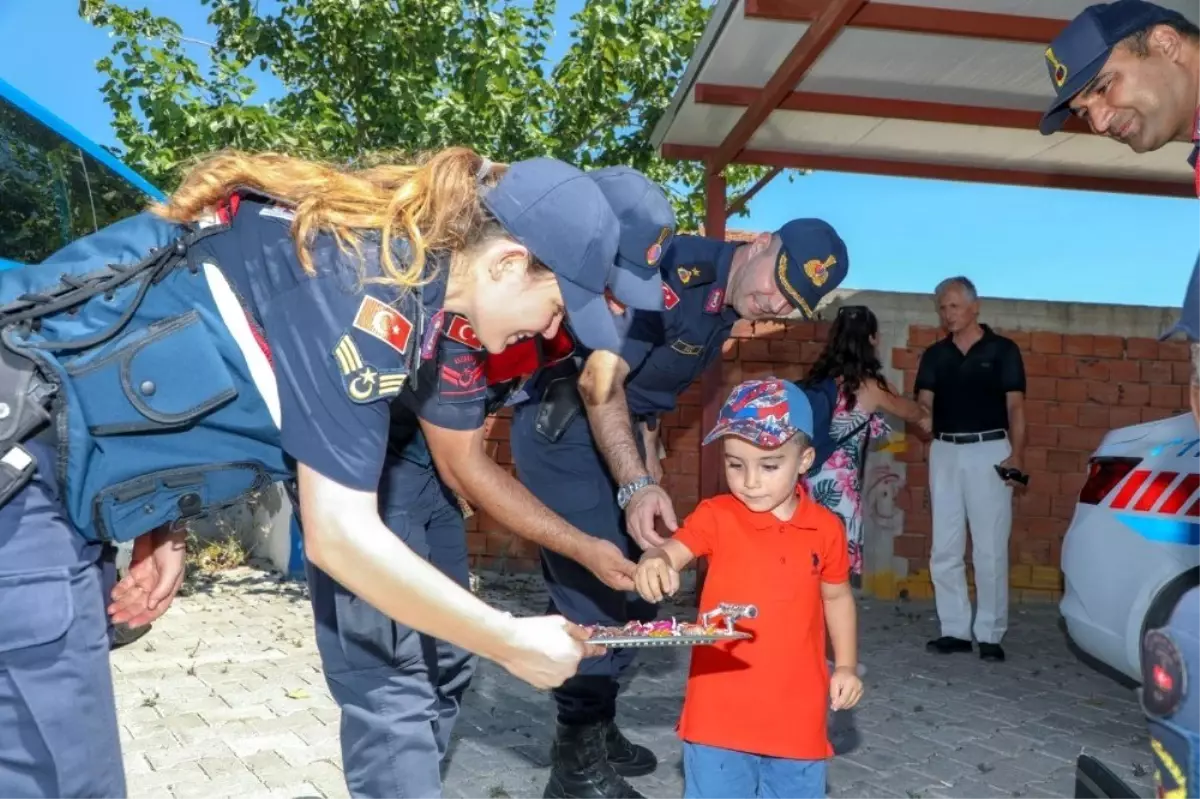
(606, 122)
(740, 203)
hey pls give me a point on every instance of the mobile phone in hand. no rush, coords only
(1016, 475)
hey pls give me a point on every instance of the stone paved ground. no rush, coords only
(225, 698)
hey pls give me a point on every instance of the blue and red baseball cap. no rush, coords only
(562, 217)
(1077, 54)
(812, 262)
(647, 229)
(767, 413)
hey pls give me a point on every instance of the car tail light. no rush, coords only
(1103, 476)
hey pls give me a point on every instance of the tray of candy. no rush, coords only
(667, 632)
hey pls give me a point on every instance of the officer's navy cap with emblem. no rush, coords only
(562, 217)
(647, 228)
(1077, 54)
(812, 262)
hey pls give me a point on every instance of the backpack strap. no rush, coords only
(74, 290)
(838, 444)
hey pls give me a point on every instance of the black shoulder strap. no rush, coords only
(837, 444)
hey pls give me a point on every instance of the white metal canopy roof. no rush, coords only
(949, 89)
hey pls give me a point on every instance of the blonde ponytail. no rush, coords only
(433, 203)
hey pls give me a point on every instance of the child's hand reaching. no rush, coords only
(845, 688)
(655, 577)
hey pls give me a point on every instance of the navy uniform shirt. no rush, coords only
(344, 351)
(459, 383)
(668, 350)
(451, 386)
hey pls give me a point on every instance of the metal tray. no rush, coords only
(674, 640)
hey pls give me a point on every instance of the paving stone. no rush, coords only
(205, 711)
(292, 790)
(234, 785)
(165, 759)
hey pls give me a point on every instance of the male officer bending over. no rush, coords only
(591, 467)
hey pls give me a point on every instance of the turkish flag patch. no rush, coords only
(460, 330)
(670, 298)
(384, 323)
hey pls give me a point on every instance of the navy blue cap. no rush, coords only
(562, 217)
(1189, 314)
(647, 229)
(811, 263)
(1077, 54)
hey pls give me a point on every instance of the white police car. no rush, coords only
(1133, 547)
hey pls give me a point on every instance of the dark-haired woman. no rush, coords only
(864, 396)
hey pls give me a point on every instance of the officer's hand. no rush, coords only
(655, 578)
(647, 505)
(155, 576)
(545, 650)
(603, 559)
(654, 466)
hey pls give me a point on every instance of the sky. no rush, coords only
(901, 234)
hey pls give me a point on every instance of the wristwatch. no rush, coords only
(625, 493)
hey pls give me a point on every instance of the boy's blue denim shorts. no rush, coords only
(713, 773)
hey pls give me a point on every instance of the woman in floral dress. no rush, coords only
(864, 395)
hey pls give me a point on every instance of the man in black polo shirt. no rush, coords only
(974, 382)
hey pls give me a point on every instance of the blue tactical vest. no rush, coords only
(155, 416)
(1171, 698)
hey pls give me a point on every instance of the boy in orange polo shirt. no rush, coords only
(754, 715)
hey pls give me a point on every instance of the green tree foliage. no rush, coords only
(406, 75)
(50, 192)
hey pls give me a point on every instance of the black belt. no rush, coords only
(971, 438)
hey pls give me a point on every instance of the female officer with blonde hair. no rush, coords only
(256, 328)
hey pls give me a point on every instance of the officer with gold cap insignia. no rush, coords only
(596, 460)
(1131, 70)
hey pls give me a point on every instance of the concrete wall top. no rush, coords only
(904, 308)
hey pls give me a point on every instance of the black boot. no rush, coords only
(627, 758)
(579, 767)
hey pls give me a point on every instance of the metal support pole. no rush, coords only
(710, 380)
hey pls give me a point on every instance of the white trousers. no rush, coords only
(964, 486)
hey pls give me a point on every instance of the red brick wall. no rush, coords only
(754, 350)
(1079, 387)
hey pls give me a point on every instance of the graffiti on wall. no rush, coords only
(883, 518)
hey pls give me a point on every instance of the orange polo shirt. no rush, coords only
(768, 695)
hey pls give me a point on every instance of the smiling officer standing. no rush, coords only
(1131, 70)
(581, 456)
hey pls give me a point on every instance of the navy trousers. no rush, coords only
(108, 581)
(399, 690)
(58, 719)
(571, 478)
